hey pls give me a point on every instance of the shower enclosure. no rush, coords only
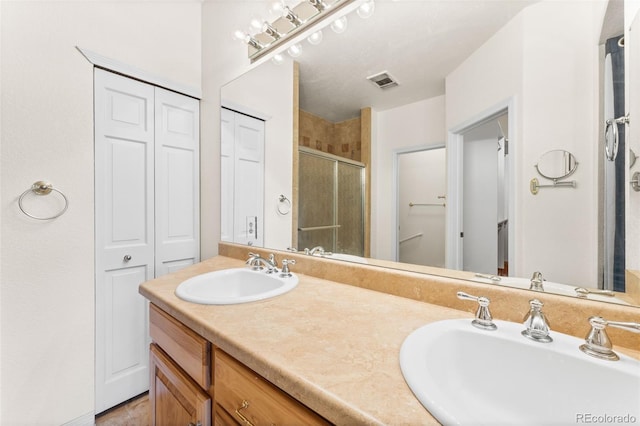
(330, 203)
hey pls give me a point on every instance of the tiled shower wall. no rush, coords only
(342, 139)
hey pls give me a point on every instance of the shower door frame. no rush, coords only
(337, 159)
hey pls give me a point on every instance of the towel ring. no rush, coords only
(284, 205)
(43, 188)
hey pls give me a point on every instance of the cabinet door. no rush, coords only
(250, 399)
(175, 398)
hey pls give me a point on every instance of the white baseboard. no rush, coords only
(88, 419)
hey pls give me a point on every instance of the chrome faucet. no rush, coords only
(536, 323)
(536, 282)
(316, 249)
(255, 261)
(597, 342)
(483, 319)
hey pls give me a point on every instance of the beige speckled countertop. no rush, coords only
(332, 346)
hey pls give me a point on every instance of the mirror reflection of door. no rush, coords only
(421, 207)
(242, 178)
(484, 201)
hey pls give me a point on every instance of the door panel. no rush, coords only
(480, 199)
(249, 180)
(242, 172)
(177, 178)
(227, 155)
(124, 202)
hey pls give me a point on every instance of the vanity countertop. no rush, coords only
(332, 346)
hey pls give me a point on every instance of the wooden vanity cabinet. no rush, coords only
(250, 399)
(194, 383)
(175, 398)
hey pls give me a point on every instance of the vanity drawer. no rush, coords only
(188, 349)
(249, 398)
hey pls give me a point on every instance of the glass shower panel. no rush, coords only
(350, 197)
(316, 206)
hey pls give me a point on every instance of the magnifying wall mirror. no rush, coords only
(556, 164)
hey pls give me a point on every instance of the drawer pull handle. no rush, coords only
(245, 404)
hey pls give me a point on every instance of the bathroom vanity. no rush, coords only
(325, 352)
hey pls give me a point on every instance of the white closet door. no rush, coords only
(177, 179)
(249, 181)
(227, 144)
(124, 202)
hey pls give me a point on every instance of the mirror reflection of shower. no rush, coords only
(614, 172)
(330, 203)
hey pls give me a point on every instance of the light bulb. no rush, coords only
(277, 59)
(276, 9)
(255, 24)
(295, 50)
(239, 35)
(366, 9)
(339, 25)
(315, 38)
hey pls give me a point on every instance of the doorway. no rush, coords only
(420, 205)
(480, 218)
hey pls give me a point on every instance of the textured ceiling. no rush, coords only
(418, 42)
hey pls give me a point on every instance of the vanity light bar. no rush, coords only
(294, 22)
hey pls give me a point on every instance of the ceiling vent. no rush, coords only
(383, 80)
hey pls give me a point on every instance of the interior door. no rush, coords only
(421, 209)
(227, 155)
(242, 179)
(124, 234)
(480, 199)
(177, 181)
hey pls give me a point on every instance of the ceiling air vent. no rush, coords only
(383, 80)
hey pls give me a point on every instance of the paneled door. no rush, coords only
(242, 173)
(124, 232)
(147, 218)
(177, 179)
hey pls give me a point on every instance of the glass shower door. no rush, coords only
(330, 204)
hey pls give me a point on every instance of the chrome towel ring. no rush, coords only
(43, 188)
(284, 205)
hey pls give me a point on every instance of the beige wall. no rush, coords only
(47, 273)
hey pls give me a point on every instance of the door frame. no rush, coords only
(395, 219)
(455, 156)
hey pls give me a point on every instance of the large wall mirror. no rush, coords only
(442, 160)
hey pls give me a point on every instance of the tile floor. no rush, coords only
(134, 412)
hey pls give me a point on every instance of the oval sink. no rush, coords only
(231, 286)
(464, 375)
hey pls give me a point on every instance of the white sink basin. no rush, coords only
(467, 376)
(231, 286)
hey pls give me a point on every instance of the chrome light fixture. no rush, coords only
(291, 19)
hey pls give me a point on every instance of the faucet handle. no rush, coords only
(285, 267)
(536, 323)
(483, 319)
(597, 342)
(536, 282)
